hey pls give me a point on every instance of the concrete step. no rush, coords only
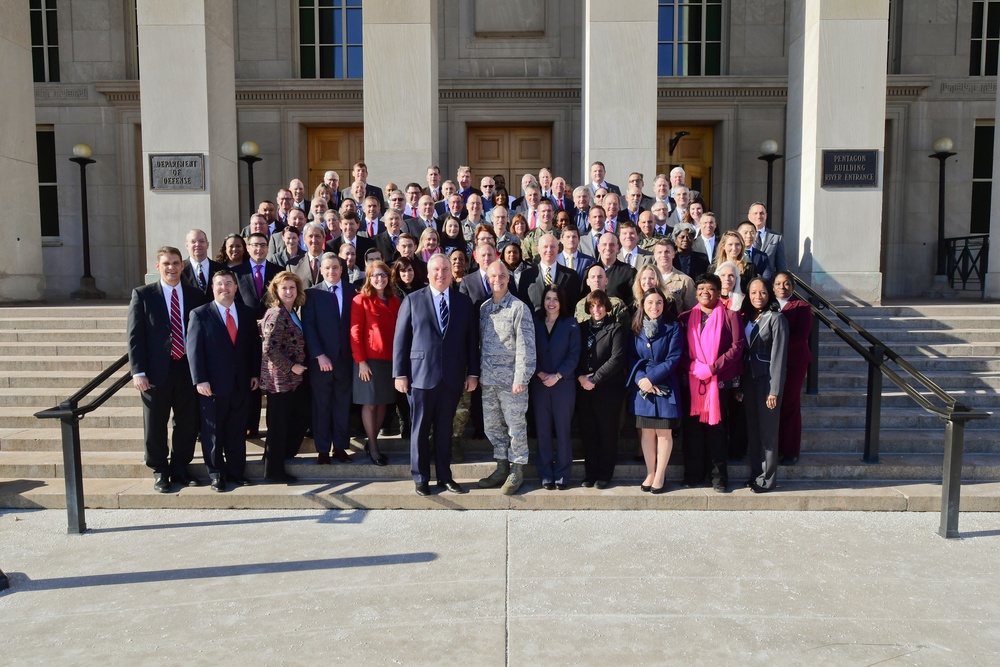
(62, 382)
(973, 381)
(59, 322)
(854, 363)
(985, 400)
(912, 352)
(896, 441)
(71, 336)
(892, 337)
(892, 418)
(41, 398)
(114, 418)
(52, 349)
(790, 495)
(968, 320)
(92, 363)
(936, 310)
(105, 465)
(68, 309)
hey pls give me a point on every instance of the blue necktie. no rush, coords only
(444, 315)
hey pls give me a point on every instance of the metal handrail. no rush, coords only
(69, 412)
(954, 412)
(963, 263)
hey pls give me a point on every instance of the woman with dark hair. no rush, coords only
(600, 374)
(459, 262)
(763, 382)
(654, 384)
(451, 236)
(283, 364)
(373, 325)
(798, 316)
(563, 220)
(511, 256)
(404, 278)
(714, 356)
(500, 197)
(233, 251)
(553, 394)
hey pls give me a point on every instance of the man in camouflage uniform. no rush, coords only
(507, 340)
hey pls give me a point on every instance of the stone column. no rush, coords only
(836, 101)
(993, 277)
(400, 90)
(21, 278)
(619, 88)
(188, 91)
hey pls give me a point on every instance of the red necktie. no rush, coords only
(533, 219)
(560, 203)
(231, 326)
(176, 328)
(371, 229)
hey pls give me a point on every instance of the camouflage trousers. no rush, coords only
(505, 422)
(461, 416)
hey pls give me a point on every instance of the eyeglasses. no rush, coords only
(377, 276)
(257, 245)
(397, 199)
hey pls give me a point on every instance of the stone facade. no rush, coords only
(527, 64)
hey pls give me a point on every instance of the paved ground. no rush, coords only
(499, 587)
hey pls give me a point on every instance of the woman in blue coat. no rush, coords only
(553, 390)
(654, 384)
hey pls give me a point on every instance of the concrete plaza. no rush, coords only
(499, 587)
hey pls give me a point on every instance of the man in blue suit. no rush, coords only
(326, 324)
(223, 350)
(435, 357)
(571, 255)
(748, 232)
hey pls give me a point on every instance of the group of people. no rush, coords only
(453, 303)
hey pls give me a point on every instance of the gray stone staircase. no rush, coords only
(49, 351)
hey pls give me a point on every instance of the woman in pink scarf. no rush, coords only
(715, 343)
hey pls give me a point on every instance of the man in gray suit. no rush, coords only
(768, 240)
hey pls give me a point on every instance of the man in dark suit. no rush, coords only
(637, 180)
(252, 280)
(349, 234)
(634, 206)
(748, 232)
(589, 240)
(326, 324)
(359, 172)
(276, 251)
(454, 205)
(223, 348)
(370, 226)
(597, 173)
(433, 189)
(620, 275)
(475, 285)
(253, 277)
(428, 217)
(388, 238)
(157, 317)
(463, 179)
(435, 356)
(534, 279)
(687, 260)
(571, 257)
(199, 269)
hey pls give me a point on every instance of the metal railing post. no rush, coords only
(951, 480)
(812, 372)
(873, 406)
(73, 470)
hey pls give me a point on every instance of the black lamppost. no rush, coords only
(88, 287)
(769, 153)
(942, 151)
(250, 149)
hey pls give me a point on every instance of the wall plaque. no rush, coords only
(177, 172)
(850, 169)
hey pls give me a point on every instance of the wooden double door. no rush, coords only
(336, 148)
(693, 152)
(510, 151)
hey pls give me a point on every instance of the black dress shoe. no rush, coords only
(218, 484)
(380, 460)
(241, 481)
(789, 460)
(587, 483)
(185, 480)
(549, 486)
(341, 456)
(657, 491)
(451, 485)
(422, 488)
(758, 489)
(161, 482)
(600, 484)
(561, 487)
(644, 488)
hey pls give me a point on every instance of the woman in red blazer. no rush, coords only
(798, 314)
(373, 323)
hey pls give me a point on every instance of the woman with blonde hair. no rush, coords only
(429, 244)
(731, 248)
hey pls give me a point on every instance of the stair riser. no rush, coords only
(94, 365)
(894, 337)
(60, 350)
(856, 364)
(986, 402)
(69, 337)
(53, 323)
(950, 382)
(125, 398)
